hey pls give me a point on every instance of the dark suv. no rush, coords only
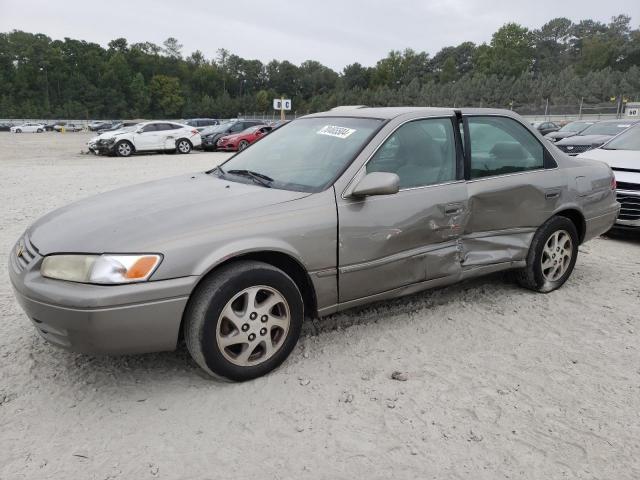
(211, 135)
(201, 122)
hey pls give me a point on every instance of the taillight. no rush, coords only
(613, 182)
(194, 131)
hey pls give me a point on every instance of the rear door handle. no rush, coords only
(550, 195)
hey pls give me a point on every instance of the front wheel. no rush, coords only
(18, 130)
(552, 256)
(123, 149)
(242, 145)
(183, 146)
(39, 130)
(244, 320)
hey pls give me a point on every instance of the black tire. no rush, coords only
(533, 276)
(183, 146)
(39, 130)
(123, 148)
(203, 313)
(18, 130)
(242, 145)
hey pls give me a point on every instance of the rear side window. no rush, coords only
(500, 146)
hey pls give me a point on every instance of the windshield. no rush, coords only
(609, 128)
(216, 128)
(574, 127)
(306, 155)
(628, 140)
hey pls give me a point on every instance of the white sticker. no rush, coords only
(335, 131)
(627, 125)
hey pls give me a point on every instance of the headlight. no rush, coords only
(100, 269)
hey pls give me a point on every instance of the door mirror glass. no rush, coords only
(377, 183)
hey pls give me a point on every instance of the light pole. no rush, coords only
(43, 68)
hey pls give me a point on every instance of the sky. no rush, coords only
(336, 33)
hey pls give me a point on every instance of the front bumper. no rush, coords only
(209, 143)
(96, 319)
(226, 147)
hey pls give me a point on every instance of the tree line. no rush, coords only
(562, 61)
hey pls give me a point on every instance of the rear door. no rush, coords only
(512, 185)
(392, 241)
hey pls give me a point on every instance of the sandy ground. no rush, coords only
(500, 382)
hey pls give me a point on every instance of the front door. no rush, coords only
(148, 139)
(391, 241)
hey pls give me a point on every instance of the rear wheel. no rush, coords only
(39, 130)
(552, 256)
(242, 145)
(18, 130)
(243, 321)
(123, 148)
(183, 146)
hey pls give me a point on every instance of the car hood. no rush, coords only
(145, 217)
(625, 163)
(233, 136)
(560, 135)
(585, 140)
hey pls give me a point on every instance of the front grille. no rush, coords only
(628, 186)
(574, 148)
(24, 253)
(629, 206)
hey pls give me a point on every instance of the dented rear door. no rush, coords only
(512, 190)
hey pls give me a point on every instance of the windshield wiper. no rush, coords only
(259, 178)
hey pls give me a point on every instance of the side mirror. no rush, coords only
(377, 183)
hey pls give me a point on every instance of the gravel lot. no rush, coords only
(500, 382)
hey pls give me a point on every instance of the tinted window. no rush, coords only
(421, 153)
(150, 128)
(237, 127)
(501, 145)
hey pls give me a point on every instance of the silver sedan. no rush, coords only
(331, 211)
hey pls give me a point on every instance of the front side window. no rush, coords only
(307, 156)
(152, 127)
(500, 146)
(420, 152)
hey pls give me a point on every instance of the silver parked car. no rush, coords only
(622, 154)
(331, 211)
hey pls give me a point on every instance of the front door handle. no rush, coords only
(453, 209)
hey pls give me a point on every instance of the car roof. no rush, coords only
(388, 113)
(620, 120)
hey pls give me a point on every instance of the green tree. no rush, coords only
(166, 95)
(140, 96)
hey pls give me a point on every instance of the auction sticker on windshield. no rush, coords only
(335, 131)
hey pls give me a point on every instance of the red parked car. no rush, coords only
(240, 141)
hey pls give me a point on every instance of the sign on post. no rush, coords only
(282, 104)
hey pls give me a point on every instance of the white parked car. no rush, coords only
(161, 136)
(622, 154)
(28, 128)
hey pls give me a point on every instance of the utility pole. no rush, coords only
(580, 111)
(546, 110)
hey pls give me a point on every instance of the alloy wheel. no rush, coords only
(556, 255)
(124, 149)
(253, 326)
(184, 146)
